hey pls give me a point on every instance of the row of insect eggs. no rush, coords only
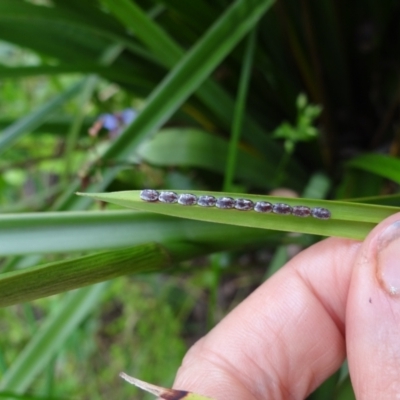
(241, 204)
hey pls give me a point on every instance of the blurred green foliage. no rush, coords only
(251, 95)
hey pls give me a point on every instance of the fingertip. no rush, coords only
(373, 314)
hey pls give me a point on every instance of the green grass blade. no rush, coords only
(24, 125)
(89, 86)
(66, 232)
(135, 75)
(56, 125)
(378, 164)
(238, 115)
(350, 220)
(76, 36)
(202, 150)
(50, 338)
(45, 280)
(192, 240)
(144, 28)
(388, 200)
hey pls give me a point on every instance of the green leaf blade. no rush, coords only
(350, 220)
(378, 164)
(46, 280)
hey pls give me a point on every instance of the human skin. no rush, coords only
(339, 298)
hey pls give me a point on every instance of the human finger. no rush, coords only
(373, 315)
(285, 339)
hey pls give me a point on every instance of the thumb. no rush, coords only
(373, 315)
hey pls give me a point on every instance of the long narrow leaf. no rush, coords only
(46, 280)
(49, 339)
(240, 106)
(131, 15)
(194, 239)
(23, 126)
(379, 164)
(351, 220)
(203, 150)
(66, 232)
(76, 32)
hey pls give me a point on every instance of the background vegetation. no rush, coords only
(239, 96)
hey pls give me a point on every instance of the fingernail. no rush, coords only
(388, 266)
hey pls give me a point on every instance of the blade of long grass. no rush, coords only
(194, 240)
(388, 200)
(54, 125)
(74, 231)
(378, 164)
(89, 86)
(51, 336)
(156, 39)
(67, 232)
(24, 125)
(200, 149)
(76, 36)
(49, 279)
(350, 220)
(138, 79)
(238, 115)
